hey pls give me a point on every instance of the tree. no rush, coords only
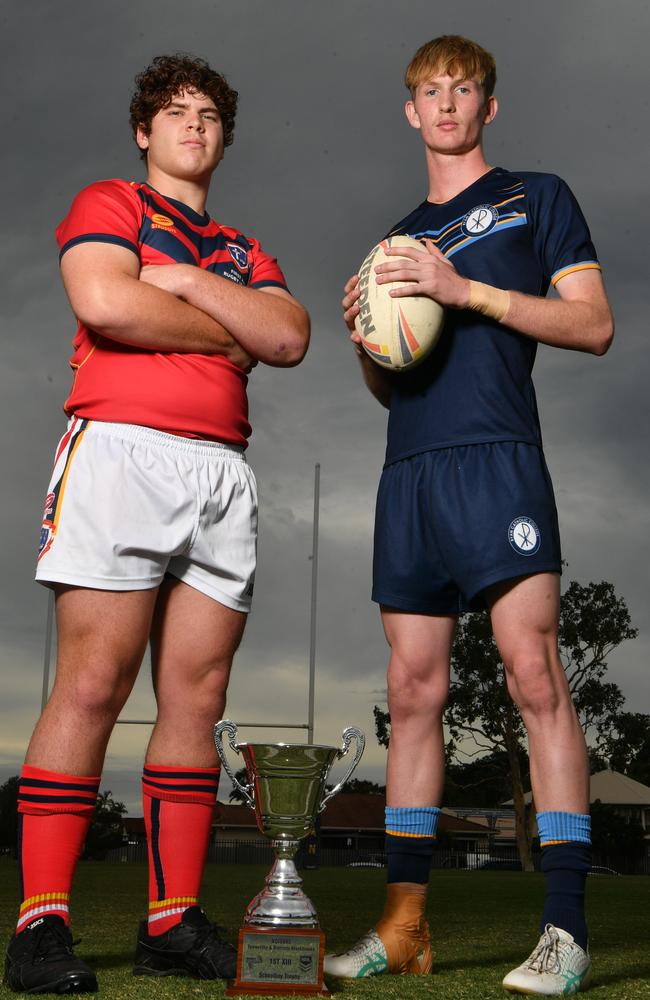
(9, 813)
(360, 786)
(106, 827)
(593, 622)
(612, 833)
(235, 794)
(382, 726)
(481, 781)
(627, 745)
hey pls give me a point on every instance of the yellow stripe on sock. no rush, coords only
(45, 897)
(400, 833)
(161, 904)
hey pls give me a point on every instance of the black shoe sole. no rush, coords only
(145, 970)
(70, 984)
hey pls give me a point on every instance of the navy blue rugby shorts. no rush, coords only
(451, 522)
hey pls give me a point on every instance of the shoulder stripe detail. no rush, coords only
(268, 282)
(99, 238)
(583, 265)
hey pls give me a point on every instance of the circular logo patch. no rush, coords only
(524, 536)
(480, 220)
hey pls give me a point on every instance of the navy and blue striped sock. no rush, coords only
(410, 836)
(565, 839)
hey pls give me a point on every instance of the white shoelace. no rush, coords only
(546, 957)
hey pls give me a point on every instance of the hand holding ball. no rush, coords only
(397, 333)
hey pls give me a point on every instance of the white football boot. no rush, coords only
(557, 967)
(366, 958)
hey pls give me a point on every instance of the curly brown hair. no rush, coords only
(158, 84)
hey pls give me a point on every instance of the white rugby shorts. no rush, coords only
(128, 504)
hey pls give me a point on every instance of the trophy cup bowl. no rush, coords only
(281, 946)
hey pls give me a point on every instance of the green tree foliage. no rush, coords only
(627, 745)
(382, 726)
(105, 832)
(106, 828)
(235, 794)
(359, 786)
(593, 622)
(482, 781)
(612, 833)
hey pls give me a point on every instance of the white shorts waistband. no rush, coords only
(192, 446)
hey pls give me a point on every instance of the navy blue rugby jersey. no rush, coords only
(518, 231)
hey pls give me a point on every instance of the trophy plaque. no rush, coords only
(281, 946)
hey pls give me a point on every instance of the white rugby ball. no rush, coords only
(397, 333)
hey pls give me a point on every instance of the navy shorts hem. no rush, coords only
(507, 573)
(416, 607)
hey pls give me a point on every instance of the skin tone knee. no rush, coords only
(535, 686)
(416, 690)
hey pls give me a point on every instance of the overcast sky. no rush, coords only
(322, 164)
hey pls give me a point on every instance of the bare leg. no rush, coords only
(418, 683)
(101, 638)
(193, 641)
(525, 615)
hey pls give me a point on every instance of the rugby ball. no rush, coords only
(397, 333)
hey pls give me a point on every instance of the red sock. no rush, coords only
(54, 813)
(178, 810)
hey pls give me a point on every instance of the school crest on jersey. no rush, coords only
(239, 256)
(480, 220)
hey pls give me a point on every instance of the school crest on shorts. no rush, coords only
(524, 536)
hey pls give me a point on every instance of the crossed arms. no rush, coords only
(182, 309)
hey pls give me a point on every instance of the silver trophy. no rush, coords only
(286, 790)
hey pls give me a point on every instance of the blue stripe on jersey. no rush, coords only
(166, 242)
(100, 238)
(205, 245)
(500, 226)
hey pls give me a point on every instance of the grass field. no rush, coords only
(483, 924)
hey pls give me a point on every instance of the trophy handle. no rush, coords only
(226, 726)
(348, 735)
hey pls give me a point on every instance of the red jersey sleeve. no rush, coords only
(266, 270)
(105, 212)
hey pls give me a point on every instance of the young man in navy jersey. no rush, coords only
(149, 529)
(466, 517)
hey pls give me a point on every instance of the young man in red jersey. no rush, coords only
(465, 512)
(149, 531)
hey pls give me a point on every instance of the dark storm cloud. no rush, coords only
(323, 163)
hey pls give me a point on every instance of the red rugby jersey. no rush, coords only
(194, 395)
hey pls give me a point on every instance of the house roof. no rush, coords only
(347, 811)
(618, 790)
(613, 789)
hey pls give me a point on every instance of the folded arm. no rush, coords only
(106, 295)
(268, 322)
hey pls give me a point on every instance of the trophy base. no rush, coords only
(281, 960)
